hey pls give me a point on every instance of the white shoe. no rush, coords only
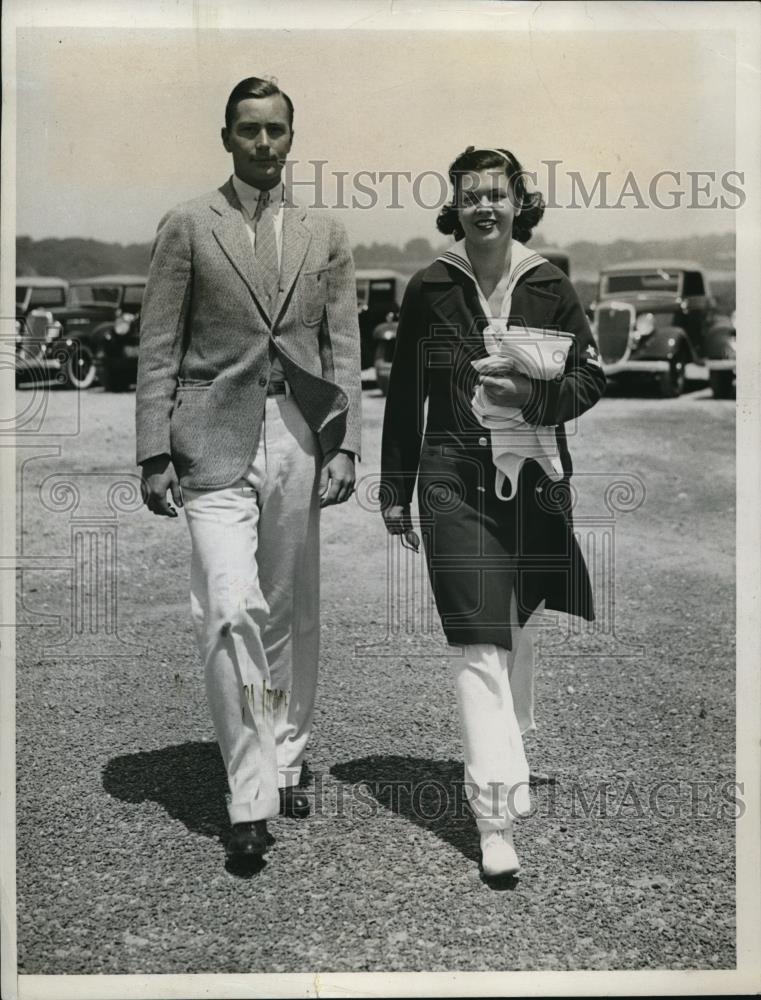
(498, 855)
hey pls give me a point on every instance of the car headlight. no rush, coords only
(123, 324)
(645, 324)
(53, 331)
(643, 327)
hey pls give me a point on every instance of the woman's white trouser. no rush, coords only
(495, 700)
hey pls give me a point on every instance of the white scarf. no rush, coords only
(539, 354)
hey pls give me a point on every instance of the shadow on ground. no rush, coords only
(188, 780)
(427, 792)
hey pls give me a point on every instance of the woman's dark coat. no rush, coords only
(478, 546)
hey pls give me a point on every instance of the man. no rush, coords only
(248, 414)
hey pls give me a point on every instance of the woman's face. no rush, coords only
(486, 207)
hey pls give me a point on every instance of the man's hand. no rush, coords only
(158, 477)
(337, 479)
(507, 390)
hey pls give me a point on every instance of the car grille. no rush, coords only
(37, 324)
(614, 324)
(33, 330)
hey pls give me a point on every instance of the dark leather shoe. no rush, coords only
(540, 778)
(294, 803)
(248, 841)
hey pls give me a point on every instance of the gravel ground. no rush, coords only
(629, 854)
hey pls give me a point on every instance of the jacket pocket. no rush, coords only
(187, 425)
(313, 293)
(193, 383)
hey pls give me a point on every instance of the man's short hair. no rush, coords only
(254, 86)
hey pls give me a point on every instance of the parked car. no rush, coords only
(115, 344)
(722, 360)
(62, 339)
(379, 294)
(656, 317)
(33, 293)
(384, 333)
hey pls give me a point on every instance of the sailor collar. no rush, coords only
(523, 263)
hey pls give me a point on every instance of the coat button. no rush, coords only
(263, 381)
(483, 442)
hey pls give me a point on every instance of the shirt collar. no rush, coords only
(248, 195)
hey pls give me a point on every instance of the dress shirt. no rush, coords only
(249, 199)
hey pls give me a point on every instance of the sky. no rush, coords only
(114, 127)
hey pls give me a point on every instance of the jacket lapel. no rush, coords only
(231, 234)
(296, 239)
(453, 299)
(532, 301)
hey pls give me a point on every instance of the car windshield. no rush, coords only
(21, 292)
(643, 281)
(47, 297)
(133, 297)
(94, 295)
(363, 292)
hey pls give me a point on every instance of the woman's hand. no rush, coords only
(507, 390)
(399, 522)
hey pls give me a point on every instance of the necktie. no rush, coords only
(266, 248)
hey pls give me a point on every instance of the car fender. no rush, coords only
(719, 339)
(84, 335)
(97, 334)
(664, 344)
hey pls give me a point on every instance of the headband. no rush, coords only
(487, 149)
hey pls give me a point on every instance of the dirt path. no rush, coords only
(628, 857)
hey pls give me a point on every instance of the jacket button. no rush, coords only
(483, 442)
(262, 381)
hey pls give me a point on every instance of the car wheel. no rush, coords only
(671, 382)
(722, 384)
(80, 369)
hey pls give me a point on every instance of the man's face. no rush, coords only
(259, 139)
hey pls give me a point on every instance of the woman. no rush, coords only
(494, 554)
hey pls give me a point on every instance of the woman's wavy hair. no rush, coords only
(473, 160)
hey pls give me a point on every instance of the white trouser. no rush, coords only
(255, 604)
(495, 701)
(520, 670)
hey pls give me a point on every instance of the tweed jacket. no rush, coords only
(207, 341)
